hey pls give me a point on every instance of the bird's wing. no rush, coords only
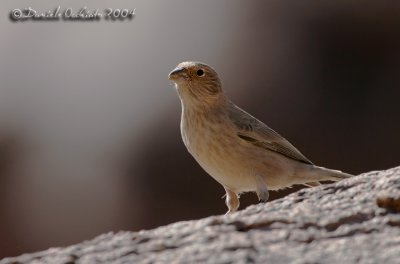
(259, 134)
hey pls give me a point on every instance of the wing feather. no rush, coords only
(259, 134)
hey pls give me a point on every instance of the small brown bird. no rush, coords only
(236, 149)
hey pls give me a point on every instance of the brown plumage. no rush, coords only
(236, 149)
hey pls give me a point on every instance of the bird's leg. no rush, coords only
(262, 190)
(231, 200)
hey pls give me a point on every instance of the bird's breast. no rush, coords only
(214, 145)
(198, 134)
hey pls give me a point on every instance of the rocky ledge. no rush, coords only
(353, 221)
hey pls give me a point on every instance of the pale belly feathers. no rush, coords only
(233, 162)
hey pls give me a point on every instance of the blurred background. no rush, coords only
(89, 123)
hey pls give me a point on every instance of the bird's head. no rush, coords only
(196, 81)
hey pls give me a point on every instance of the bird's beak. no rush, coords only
(176, 73)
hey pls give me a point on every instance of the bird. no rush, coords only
(236, 149)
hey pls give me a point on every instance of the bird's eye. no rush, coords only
(200, 72)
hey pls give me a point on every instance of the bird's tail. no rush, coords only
(331, 175)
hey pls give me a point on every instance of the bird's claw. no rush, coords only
(263, 196)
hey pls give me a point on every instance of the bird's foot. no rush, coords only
(232, 201)
(229, 212)
(263, 196)
(262, 190)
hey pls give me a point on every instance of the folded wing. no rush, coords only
(259, 134)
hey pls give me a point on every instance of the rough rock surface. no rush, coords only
(353, 221)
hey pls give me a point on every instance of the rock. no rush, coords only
(353, 221)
